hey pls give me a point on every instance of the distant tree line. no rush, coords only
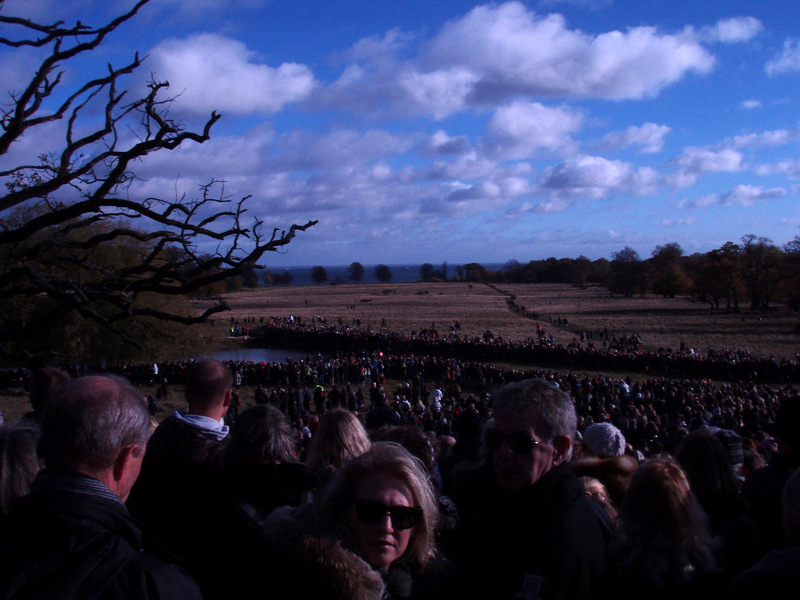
(754, 273)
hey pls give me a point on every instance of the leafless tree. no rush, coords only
(73, 233)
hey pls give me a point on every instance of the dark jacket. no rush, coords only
(172, 495)
(544, 541)
(61, 543)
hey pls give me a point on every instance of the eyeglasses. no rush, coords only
(518, 441)
(371, 512)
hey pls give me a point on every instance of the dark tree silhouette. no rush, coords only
(383, 273)
(75, 235)
(627, 272)
(355, 272)
(319, 275)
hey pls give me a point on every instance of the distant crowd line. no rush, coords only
(602, 350)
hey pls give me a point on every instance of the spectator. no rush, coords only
(72, 536)
(340, 438)
(182, 461)
(371, 532)
(665, 549)
(526, 528)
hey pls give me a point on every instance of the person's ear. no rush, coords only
(124, 461)
(562, 445)
(227, 401)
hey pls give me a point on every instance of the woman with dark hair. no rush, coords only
(19, 463)
(369, 535)
(708, 468)
(665, 548)
(260, 473)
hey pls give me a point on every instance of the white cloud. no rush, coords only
(702, 160)
(751, 104)
(513, 50)
(747, 195)
(741, 195)
(215, 72)
(775, 137)
(737, 29)
(526, 129)
(440, 93)
(596, 177)
(789, 168)
(787, 61)
(441, 144)
(650, 137)
(498, 52)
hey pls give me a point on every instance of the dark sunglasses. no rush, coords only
(518, 441)
(371, 512)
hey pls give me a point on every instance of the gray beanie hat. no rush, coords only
(604, 440)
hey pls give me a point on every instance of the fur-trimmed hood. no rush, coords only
(318, 559)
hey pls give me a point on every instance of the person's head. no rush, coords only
(262, 433)
(43, 383)
(420, 443)
(704, 460)
(19, 463)
(385, 501)
(791, 507)
(339, 438)
(208, 388)
(533, 426)
(99, 426)
(594, 489)
(604, 440)
(660, 510)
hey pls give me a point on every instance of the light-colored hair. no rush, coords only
(387, 458)
(340, 438)
(262, 432)
(88, 421)
(555, 408)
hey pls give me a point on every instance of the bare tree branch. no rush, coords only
(74, 239)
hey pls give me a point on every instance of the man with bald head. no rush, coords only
(72, 537)
(181, 464)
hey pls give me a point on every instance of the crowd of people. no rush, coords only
(326, 483)
(602, 350)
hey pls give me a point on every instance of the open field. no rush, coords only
(409, 307)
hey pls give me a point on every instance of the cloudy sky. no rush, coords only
(419, 131)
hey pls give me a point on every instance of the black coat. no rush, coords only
(62, 544)
(544, 541)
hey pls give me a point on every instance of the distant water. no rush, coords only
(301, 275)
(259, 354)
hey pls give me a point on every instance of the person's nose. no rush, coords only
(386, 524)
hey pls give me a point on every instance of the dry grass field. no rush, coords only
(409, 307)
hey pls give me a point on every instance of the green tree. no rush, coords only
(355, 272)
(383, 273)
(719, 277)
(319, 275)
(627, 272)
(761, 269)
(78, 239)
(791, 273)
(666, 274)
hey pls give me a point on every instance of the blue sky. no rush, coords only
(450, 130)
